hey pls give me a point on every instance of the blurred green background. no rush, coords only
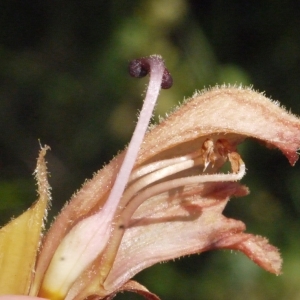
(63, 80)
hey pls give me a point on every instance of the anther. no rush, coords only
(141, 67)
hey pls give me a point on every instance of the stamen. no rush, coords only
(159, 188)
(210, 152)
(158, 175)
(146, 169)
(208, 147)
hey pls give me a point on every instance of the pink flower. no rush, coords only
(161, 198)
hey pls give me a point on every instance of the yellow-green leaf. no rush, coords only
(20, 239)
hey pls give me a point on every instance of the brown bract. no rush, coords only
(173, 202)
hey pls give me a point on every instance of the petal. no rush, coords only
(191, 222)
(236, 112)
(256, 248)
(20, 239)
(129, 286)
(135, 287)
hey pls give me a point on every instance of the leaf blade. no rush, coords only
(20, 239)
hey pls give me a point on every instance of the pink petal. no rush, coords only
(135, 287)
(256, 248)
(236, 112)
(191, 222)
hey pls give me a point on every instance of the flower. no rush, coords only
(160, 199)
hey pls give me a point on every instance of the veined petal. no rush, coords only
(256, 248)
(165, 228)
(236, 112)
(20, 239)
(135, 287)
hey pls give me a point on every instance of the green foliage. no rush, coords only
(64, 81)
